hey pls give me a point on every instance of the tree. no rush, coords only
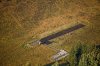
(84, 55)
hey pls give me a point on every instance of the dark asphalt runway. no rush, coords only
(45, 40)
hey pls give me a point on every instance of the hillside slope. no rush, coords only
(24, 20)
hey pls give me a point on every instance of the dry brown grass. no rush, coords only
(22, 21)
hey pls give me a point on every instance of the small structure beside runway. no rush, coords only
(61, 54)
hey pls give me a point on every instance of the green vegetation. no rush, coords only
(56, 64)
(84, 55)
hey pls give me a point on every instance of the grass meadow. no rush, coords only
(23, 21)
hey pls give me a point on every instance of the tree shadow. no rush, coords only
(97, 46)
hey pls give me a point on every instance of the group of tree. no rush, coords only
(83, 55)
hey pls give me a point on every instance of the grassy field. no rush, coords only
(22, 21)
